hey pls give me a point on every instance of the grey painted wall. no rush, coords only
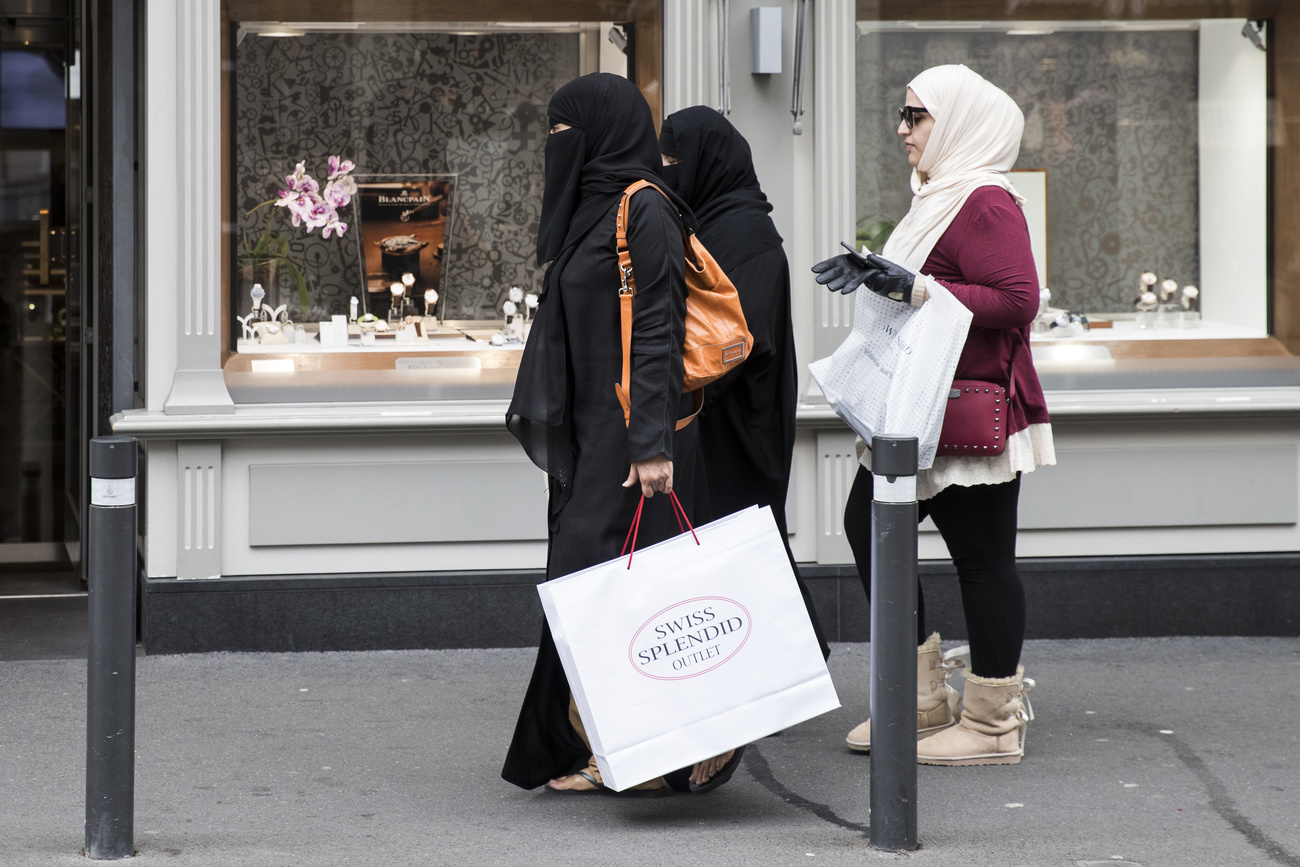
(760, 109)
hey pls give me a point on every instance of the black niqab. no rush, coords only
(715, 176)
(611, 144)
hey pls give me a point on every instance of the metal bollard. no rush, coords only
(893, 643)
(110, 672)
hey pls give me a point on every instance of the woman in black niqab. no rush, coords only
(746, 429)
(565, 411)
(606, 144)
(712, 169)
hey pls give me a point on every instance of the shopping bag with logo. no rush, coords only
(687, 649)
(893, 373)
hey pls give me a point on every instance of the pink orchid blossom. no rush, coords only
(300, 205)
(334, 225)
(317, 214)
(317, 208)
(340, 167)
(337, 194)
(300, 181)
(306, 203)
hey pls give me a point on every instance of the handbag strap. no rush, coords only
(626, 292)
(629, 544)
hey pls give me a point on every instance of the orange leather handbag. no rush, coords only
(717, 339)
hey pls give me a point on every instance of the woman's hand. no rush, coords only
(655, 474)
(889, 279)
(843, 273)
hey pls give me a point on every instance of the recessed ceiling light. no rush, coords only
(280, 32)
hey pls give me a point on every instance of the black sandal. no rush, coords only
(724, 773)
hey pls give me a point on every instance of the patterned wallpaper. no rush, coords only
(406, 103)
(1111, 116)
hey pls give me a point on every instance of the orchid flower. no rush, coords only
(297, 203)
(300, 181)
(340, 167)
(337, 193)
(334, 225)
(306, 203)
(317, 214)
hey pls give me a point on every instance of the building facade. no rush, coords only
(314, 480)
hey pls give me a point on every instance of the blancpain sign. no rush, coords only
(690, 638)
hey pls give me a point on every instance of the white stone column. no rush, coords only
(183, 210)
(834, 185)
(690, 54)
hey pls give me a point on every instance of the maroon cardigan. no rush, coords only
(985, 261)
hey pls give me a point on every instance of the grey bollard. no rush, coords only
(893, 643)
(110, 672)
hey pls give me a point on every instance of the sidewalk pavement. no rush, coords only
(1171, 752)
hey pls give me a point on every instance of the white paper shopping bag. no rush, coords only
(892, 374)
(693, 651)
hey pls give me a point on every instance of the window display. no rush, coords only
(443, 135)
(1124, 125)
(405, 268)
(1110, 116)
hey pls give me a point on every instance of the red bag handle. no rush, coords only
(631, 532)
(681, 517)
(629, 544)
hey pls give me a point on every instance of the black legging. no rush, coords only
(978, 523)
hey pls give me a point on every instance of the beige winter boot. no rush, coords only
(995, 714)
(936, 701)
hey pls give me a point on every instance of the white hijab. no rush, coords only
(974, 143)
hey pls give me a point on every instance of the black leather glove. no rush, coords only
(889, 278)
(844, 273)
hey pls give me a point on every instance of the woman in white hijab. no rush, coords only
(966, 230)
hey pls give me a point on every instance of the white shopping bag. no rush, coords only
(693, 651)
(892, 374)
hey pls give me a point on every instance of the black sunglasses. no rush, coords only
(908, 113)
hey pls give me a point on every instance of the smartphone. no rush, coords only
(857, 257)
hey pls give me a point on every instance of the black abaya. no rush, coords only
(747, 424)
(590, 525)
(746, 429)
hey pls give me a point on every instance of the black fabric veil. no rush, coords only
(715, 175)
(611, 144)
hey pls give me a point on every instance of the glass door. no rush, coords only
(39, 356)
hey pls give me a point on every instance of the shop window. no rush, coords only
(446, 132)
(418, 287)
(1145, 151)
